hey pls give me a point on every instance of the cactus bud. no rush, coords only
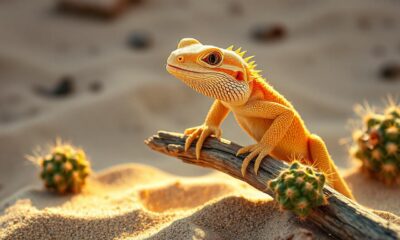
(373, 139)
(67, 166)
(376, 154)
(392, 148)
(392, 132)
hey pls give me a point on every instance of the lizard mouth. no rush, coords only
(172, 67)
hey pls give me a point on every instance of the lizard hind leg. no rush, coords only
(322, 161)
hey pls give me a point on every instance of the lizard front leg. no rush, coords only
(282, 119)
(211, 126)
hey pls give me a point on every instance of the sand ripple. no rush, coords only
(138, 202)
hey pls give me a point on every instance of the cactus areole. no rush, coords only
(299, 189)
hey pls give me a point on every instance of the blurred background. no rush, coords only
(93, 71)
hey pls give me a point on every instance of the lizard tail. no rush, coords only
(322, 161)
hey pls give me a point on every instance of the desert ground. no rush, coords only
(329, 60)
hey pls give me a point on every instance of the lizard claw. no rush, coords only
(245, 149)
(192, 136)
(202, 132)
(256, 150)
(259, 159)
(190, 130)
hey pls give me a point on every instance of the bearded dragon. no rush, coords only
(238, 87)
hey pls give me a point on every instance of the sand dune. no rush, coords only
(142, 202)
(137, 202)
(327, 63)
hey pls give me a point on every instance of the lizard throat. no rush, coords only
(215, 85)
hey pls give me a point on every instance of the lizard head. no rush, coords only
(219, 73)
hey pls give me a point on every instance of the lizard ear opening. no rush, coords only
(239, 76)
(187, 42)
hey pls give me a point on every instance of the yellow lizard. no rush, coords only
(237, 87)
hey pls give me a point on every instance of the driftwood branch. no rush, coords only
(342, 218)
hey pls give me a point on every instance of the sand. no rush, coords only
(137, 202)
(329, 61)
(326, 64)
(140, 202)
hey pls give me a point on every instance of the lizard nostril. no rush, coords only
(180, 59)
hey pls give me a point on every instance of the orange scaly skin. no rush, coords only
(237, 87)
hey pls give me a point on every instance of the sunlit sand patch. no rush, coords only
(135, 201)
(179, 196)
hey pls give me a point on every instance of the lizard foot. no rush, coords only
(202, 131)
(258, 150)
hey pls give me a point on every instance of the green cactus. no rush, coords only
(299, 189)
(377, 144)
(64, 169)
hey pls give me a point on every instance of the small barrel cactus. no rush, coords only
(64, 169)
(299, 189)
(377, 144)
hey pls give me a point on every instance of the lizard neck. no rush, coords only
(259, 89)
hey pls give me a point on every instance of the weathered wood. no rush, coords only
(343, 218)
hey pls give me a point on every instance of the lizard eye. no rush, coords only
(213, 58)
